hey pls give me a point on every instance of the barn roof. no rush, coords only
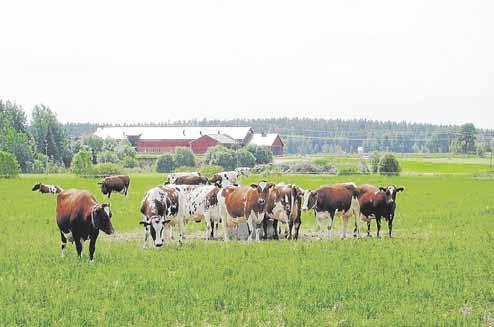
(222, 138)
(171, 133)
(264, 139)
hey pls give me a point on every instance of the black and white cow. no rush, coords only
(225, 178)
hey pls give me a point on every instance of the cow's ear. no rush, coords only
(145, 223)
(253, 185)
(383, 189)
(400, 189)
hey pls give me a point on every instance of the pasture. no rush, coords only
(437, 271)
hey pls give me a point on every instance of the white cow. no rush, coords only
(198, 204)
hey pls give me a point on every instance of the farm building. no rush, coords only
(271, 140)
(199, 139)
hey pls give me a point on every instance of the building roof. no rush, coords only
(222, 138)
(171, 133)
(264, 139)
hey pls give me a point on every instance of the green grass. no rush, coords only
(437, 271)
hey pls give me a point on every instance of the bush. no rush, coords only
(211, 170)
(125, 151)
(263, 155)
(389, 165)
(129, 162)
(9, 167)
(375, 160)
(82, 163)
(185, 157)
(348, 170)
(107, 157)
(165, 163)
(221, 156)
(106, 169)
(245, 159)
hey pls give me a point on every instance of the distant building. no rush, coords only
(199, 139)
(271, 140)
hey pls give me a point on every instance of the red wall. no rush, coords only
(202, 144)
(160, 146)
(277, 147)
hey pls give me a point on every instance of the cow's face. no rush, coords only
(156, 224)
(263, 190)
(391, 193)
(36, 187)
(104, 188)
(102, 218)
(310, 200)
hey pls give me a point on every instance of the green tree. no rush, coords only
(375, 160)
(165, 163)
(125, 150)
(95, 144)
(389, 165)
(107, 157)
(82, 163)
(221, 156)
(17, 143)
(9, 167)
(184, 157)
(245, 159)
(466, 140)
(263, 155)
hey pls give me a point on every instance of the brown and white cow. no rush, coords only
(380, 203)
(158, 205)
(191, 180)
(244, 205)
(111, 184)
(80, 217)
(173, 176)
(284, 206)
(328, 201)
(225, 178)
(43, 188)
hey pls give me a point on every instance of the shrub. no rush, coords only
(211, 170)
(263, 155)
(348, 170)
(221, 156)
(375, 160)
(105, 169)
(185, 157)
(245, 159)
(165, 163)
(107, 157)
(129, 162)
(389, 165)
(9, 167)
(82, 163)
(125, 151)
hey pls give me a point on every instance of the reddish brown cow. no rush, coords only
(329, 200)
(115, 184)
(191, 180)
(380, 204)
(284, 204)
(42, 188)
(244, 204)
(80, 217)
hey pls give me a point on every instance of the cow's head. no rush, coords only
(215, 180)
(101, 218)
(310, 200)
(263, 189)
(157, 225)
(36, 187)
(391, 193)
(104, 188)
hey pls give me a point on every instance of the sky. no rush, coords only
(141, 61)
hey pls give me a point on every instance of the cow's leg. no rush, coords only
(290, 228)
(181, 227)
(345, 219)
(275, 226)
(64, 243)
(319, 219)
(109, 194)
(369, 228)
(356, 214)
(92, 245)
(78, 244)
(147, 232)
(209, 225)
(330, 225)
(265, 229)
(378, 222)
(298, 223)
(224, 219)
(390, 226)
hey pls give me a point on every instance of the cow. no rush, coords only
(43, 189)
(244, 204)
(284, 204)
(328, 201)
(115, 184)
(225, 178)
(173, 176)
(199, 204)
(158, 205)
(378, 204)
(243, 170)
(191, 180)
(80, 217)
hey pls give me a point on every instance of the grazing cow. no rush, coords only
(198, 204)
(80, 217)
(225, 178)
(284, 200)
(42, 188)
(115, 184)
(328, 201)
(380, 204)
(173, 176)
(157, 206)
(243, 170)
(244, 204)
(191, 180)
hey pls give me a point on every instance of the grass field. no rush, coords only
(437, 271)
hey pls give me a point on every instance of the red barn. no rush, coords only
(271, 140)
(202, 144)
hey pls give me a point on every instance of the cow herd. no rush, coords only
(190, 197)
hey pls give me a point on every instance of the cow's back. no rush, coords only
(332, 198)
(73, 205)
